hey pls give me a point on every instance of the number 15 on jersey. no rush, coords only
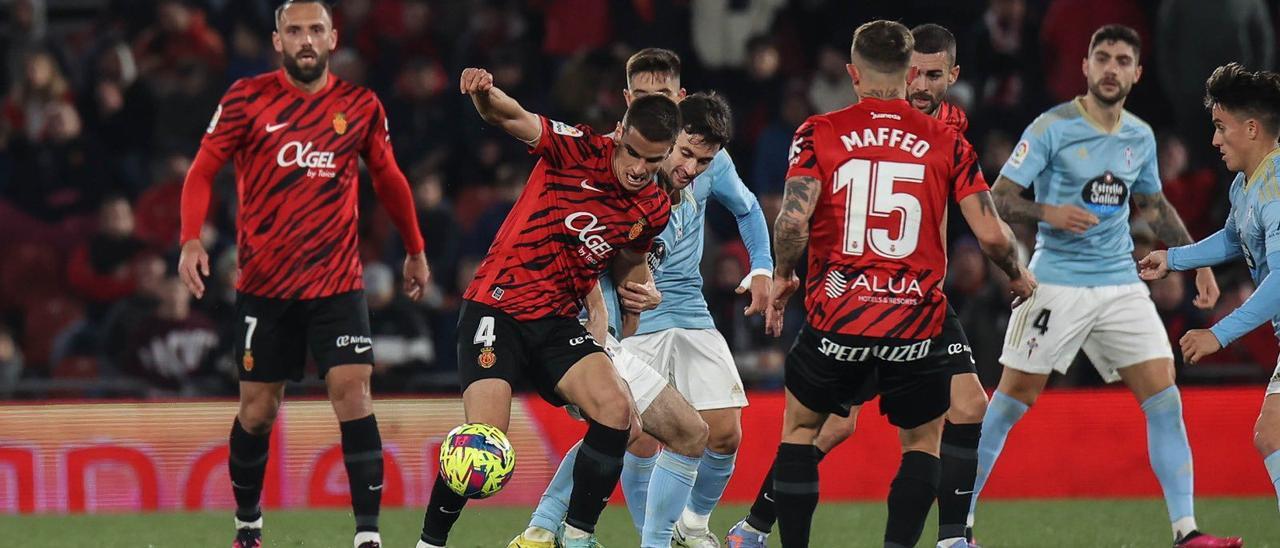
(869, 192)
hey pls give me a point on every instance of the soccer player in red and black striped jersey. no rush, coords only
(867, 195)
(296, 136)
(590, 205)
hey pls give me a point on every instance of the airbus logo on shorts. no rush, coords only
(902, 353)
(296, 154)
(956, 348)
(589, 228)
(344, 341)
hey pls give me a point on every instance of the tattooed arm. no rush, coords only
(1016, 209)
(1168, 227)
(791, 229)
(997, 241)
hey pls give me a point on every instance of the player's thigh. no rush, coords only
(800, 423)
(926, 438)
(818, 380)
(270, 343)
(1129, 333)
(968, 399)
(488, 401)
(1047, 331)
(594, 386)
(656, 350)
(643, 381)
(836, 429)
(338, 332)
(1266, 431)
(704, 371)
(490, 346)
(675, 423)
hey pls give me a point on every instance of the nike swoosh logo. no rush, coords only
(962, 493)
(375, 488)
(587, 186)
(238, 486)
(443, 509)
(767, 497)
(362, 349)
(272, 128)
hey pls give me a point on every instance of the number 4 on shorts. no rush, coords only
(484, 332)
(1042, 321)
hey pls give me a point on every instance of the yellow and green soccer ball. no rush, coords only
(476, 460)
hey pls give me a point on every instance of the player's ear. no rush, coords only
(1251, 129)
(853, 73)
(1137, 73)
(955, 75)
(1084, 68)
(276, 42)
(626, 95)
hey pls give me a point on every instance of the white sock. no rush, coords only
(574, 532)
(255, 524)
(538, 534)
(423, 544)
(1183, 526)
(366, 536)
(691, 521)
(957, 542)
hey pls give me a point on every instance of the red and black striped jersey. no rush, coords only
(953, 116)
(877, 242)
(570, 220)
(295, 157)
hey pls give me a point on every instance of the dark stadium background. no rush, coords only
(104, 104)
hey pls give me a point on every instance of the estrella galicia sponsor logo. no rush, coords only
(1105, 194)
(657, 254)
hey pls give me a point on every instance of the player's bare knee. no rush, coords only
(726, 440)
(614, 412)
(691, 438)
(258, 416)
(968, 409)
(642, 445)
(1266, 434)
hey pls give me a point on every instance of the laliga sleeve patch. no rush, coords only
(1019, 153)
(561, 128)
(213, 123)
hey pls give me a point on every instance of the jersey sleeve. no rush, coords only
(967, 179)
(230, 122)
(1149, 176)
(728, 189)
(1030, 156)
(804, 152)
(563, 145)
(389, 183)
(376, 146)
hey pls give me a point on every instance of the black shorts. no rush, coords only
(493, 345)
(273, 335)
(830, 373)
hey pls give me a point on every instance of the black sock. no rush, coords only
(959, 469)
(442, 511)
(795, 491)
(248, 464)
(910, 496)
(595, 474)
(763, 514)
(362, 453)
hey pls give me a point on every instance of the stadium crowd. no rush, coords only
(104, 103)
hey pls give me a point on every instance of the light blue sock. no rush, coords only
(713, 476)
(555, 500)
(635, 485)
(1273, 469)
(1170, 452)
(673, 477)
(1002, 413)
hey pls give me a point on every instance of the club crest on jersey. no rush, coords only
(247, 361)
(339, 123)
(487, 358)
(636, 230)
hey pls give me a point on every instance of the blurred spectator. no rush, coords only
(1000, 59)
(25, 34)
(1064, 39)
(158, 212)
(1258, 347)
(771, 149)
(10, 362)
(41, 108)
(723, 28)
(173, 348)
(402, 348)
(439, 226)
(1192, 191)
(831, 88)
(1174, 304)
(573, 26)
(101, 270)
(127, 313)
(979, 301)
(754, 111)
(119, 112)
(1192, 39)
(250, 53)
(179, 39)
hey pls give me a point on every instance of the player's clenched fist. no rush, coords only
(1023, 287)
(476, 80)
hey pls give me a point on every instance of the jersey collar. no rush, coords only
(284, 82)
(1266, 165)
(1079, 103)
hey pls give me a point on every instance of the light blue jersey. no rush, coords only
(1069, 159)
(676, 258)
(1252, 232)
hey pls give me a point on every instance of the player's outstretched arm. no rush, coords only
(790, 239)
(997, 241)
(1167, 224)
(498, 108)
(1016, 209)
(636, 290)
(1223, 246)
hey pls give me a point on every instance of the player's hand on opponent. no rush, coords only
(1068, 217)
(416, 276)
(760, 286)
(1206, 289)
(1155, 266)
(192, 264)
(639, 297)
(1197, 344)
(1023, 287)
(783, 288)
(476, 81)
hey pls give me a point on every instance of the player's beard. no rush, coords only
(306, 75)
(934, 102)
(1121, 92)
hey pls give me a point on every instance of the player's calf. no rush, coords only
(912, 492)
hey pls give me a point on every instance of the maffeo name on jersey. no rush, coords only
(885, 137)
(296, 154)
(902, 353)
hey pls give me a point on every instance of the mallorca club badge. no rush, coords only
(636, 230)
(487, 358)
(340, 123)
(248, 360)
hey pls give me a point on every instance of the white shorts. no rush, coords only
(696, 361)
(1116, 325)
(1273, 387)
(644, 382)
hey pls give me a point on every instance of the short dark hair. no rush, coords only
(884, 45)
(706, 115)
(656, 117)
(1252, 94)
(659, 60)
(1117, 33)
(280, 10)
(931, 38)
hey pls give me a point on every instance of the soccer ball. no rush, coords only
(476, 460)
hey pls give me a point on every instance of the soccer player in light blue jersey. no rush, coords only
(1085, 159)
(1246, 120)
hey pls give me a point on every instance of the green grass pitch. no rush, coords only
(1109, 523)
